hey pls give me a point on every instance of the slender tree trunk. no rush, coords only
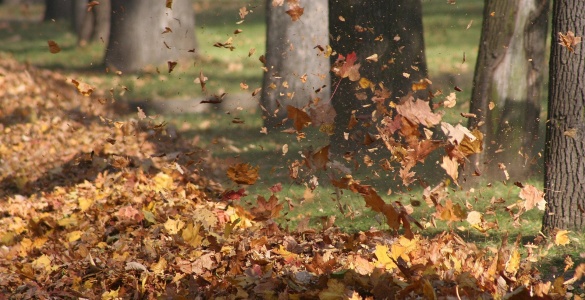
(509, 74)
(58, 10)
(393, 31)
(139, 36)
(92, 25)
(565, 130)
(296, 69)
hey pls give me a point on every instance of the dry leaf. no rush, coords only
(243, 173)
(300, 118)
(562, 238)
(569, 40)
(533, 197)
(295, 11)
(53, 47)
(451, 166)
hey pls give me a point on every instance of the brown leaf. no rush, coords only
(169, 4)
(469, 146)
(83, 88)
(243, 173)
(53, 47)
(295, 11)
(533, 197)
(172, 65)
(569, 40)
(243, 12)
(266, 209)
(300, 118)
(91, 4)
(418, 111)
(451, 166)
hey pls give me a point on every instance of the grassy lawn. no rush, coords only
(451, 32)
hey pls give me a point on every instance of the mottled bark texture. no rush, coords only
(138, 37)
(509, 73)
(296, 68)
(392, 30)
(565, 130)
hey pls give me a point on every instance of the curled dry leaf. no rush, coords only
(450, 100)
(295, 11)
(451, 166)
(300, 118)
(83, 88)
(533, 197)
(569, 40)
(418, 111)
(243, 173)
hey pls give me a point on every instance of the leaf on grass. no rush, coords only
(243, 173)
(562, 238)
(54, 47)
(533, 197)
(300, 118)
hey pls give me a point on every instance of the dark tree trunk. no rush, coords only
(58, 10)
(93, 25)
(509, 73)
(293, 60)
(137, 39)
(565, 130)
(392, 30)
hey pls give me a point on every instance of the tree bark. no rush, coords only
(58, 10)
(139, 37)
(296, 68)
(392, 30)
(565, 130)
(509, 73)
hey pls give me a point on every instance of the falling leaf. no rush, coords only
(83, 88)
(533, 197)
(456, 134)
(491, 105)
(91, 4)
(243, 86)
(300, 118)
(418, 111)
(469, 146)
(345, 67)
(422, 84)
(169, 4)
(450, 101)
(469, 25)
(372, 58)
(277, 3)
(295, 11)
(243, 12)
(201, 80)
(167, 30)
(256, 91)
(266, 209)
(243, 173)
(141, 114)
(251, 51)
(284, 149)
(569, 40)
(238, 31)
(571, 132)
(562, 238)
(451, 166)
(53, 47)
(172, 65)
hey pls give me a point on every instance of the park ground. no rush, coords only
(159, 163)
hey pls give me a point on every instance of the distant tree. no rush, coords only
(92, 24)
(146, 32)
(564, 157)
(296, 68)
(58, 10)
(393, 31)
(509, 74)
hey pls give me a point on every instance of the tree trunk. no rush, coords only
(392, 30)
(296, 67)
(58, 10)
(509, 73)
(565, 130)
(139, 37)
(93, 25)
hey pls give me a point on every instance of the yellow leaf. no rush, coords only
(74, 235)
(162, 182)
(243, 173)
(191, 235)
(562, 238)
(174, 226)
(110, 295)
(366, 83)
(514, 262)
(428, 290)
(43, 262)
(84, 203)
(381, 253)
(159, 267)
(335, 290)
(67, 222)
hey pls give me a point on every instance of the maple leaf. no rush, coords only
(243, 173)
(266, 209)
(233, 195)
(533, 197)
(418, 111)
(243, 12)
(300, 118)
(295, 11)
(345, 67)
(569, 40)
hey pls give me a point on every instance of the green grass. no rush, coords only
(447, 38)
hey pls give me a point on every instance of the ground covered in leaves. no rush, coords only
(98, 204)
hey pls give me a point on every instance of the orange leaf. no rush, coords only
(243, 173)
(53, 47)
(300, 118)
(295, 11)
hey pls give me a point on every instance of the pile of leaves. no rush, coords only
(97, 205)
